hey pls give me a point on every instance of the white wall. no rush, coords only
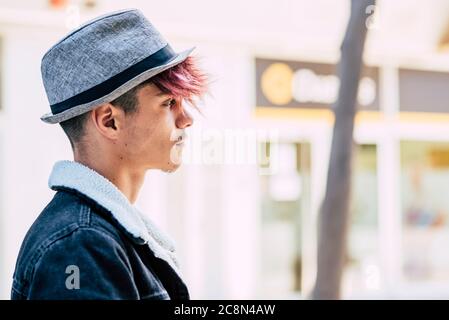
(29, 146)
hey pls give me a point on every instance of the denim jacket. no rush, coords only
(90, 243)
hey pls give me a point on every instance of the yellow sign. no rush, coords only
(276, 83)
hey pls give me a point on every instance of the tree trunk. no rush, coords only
(333, 222)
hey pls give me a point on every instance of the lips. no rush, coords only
(181, 139)
(180, 142)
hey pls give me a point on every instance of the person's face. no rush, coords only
(154, 135)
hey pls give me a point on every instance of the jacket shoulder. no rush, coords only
(86, 264)
(67, 216)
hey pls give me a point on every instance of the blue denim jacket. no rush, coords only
(81, 247)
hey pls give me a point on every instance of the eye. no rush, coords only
(170, 103)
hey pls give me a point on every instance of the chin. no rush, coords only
(171, 168)
(175, 160)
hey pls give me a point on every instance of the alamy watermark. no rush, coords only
(254, 147)
(372, 22)
(72, 282)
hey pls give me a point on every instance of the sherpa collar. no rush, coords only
(74, 175)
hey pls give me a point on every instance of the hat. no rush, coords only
(101, 60)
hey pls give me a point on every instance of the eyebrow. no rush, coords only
(162, 94)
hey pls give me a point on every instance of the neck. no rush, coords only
(127, 179)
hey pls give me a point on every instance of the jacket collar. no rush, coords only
(74, 175)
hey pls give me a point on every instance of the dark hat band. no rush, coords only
(156, 59)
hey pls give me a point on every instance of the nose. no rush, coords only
(184, 119)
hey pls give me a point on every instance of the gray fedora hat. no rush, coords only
(101, 60)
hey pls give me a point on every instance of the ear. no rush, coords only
(108, 120)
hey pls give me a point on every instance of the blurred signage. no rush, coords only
(296, 84)
(439, 158)
(61, 4)
(57, 3)
(423, 91)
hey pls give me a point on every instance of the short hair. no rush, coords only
(184, 81)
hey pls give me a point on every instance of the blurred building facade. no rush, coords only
(246, 228)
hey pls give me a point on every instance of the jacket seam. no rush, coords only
(112, 238)
(43, 251)
(59, 236)
(154, 295)
(85, 215)
(46, 244)
(17, 291)
(101, 211)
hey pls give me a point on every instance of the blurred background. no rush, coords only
(243, 208)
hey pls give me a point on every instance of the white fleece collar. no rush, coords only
(74, 175)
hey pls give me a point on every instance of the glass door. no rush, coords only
(362, 269)
(285, 194)
(425, 211)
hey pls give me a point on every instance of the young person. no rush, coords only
(118, 91)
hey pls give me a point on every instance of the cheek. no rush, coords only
(161, 133)
(136, 136)
(151, 135)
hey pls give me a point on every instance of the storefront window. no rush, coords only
(362, 270)
(425, 210)
(284, 201)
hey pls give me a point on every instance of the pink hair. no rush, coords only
(183, 81)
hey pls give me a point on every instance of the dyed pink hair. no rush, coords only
(183, 81)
